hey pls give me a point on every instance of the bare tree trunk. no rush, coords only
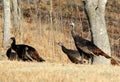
(6, 34)
(15, 16)
(17, 20)
(51, 26)
(20, 22)
(96, 12)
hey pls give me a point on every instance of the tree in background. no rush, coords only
(17, 20)
(6, 34)
(15, 16)
(96, 12)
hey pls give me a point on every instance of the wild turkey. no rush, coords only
(11, 55)
(73, 55)
(25, 52)
(87, 46)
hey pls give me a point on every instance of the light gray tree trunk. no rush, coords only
(96, 13)
(6, 33)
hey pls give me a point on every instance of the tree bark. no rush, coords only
(6, 31)
(15, 17)
(96, 13)
(20, 19)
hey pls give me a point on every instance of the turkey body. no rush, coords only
(73, 55)
(88, 47)
(25, 52)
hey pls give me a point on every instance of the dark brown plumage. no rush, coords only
(25, 52)
(73, 55)
(11, 55)
(87, 46)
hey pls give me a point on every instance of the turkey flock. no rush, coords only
(85, 51)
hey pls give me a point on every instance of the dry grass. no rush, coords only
(44, 38)
(57, 68)
(13, 71)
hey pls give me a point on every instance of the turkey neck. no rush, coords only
(77, 38)
(64, 49)
(13, 45)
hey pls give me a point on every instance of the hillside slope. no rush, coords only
(42, 25)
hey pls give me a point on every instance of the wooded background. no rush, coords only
(43, 23)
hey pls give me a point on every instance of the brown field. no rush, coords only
(39, 33)
(14, 71)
